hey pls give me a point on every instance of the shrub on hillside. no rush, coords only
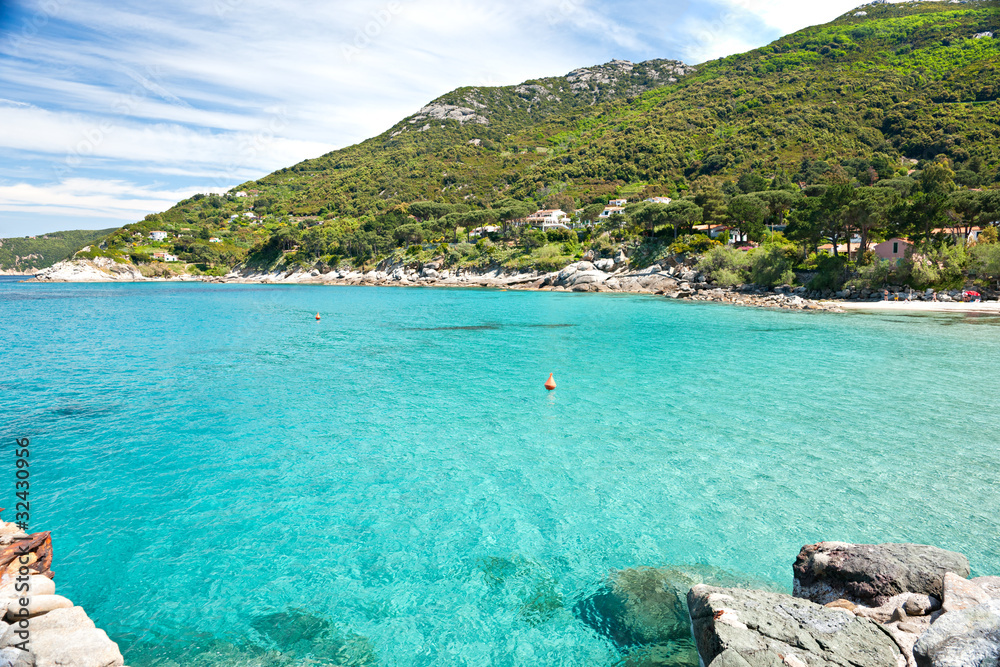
(725, 265)
(770, 266)
(693, 243)
(985, 261)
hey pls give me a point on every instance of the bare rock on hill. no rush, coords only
(871, 574)
(965, 638)
(735, 627)
(97, 270)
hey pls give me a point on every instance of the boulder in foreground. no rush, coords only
(964, 638)
(871, 574)
(743, 628)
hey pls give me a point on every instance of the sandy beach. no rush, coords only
(920, 306)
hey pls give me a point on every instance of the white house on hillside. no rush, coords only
(158, 236)
(546, 217)
(617, 202)
(610, 211)
(659, 200)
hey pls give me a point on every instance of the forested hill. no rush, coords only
(879, 92)
(28, 254)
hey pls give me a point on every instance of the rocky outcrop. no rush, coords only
(98, 270)
(739, 628)
(965, 638)
(448, 112)
(39, 627)
(870, 574)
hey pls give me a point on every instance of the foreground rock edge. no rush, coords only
(48, 631)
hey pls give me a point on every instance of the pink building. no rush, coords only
(894, 248)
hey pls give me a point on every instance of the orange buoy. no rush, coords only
(550, 384)
(317, 316)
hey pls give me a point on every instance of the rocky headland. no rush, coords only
(38, 627)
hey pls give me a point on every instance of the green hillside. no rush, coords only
(876, 98)
(28, 254)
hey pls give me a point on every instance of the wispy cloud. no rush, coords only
(111, 200)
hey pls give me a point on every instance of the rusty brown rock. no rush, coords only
(39, 548)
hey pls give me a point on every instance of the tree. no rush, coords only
(682, 213)
(429, 210)
(747, 213)
(936, 185)
(963, 209)
(832, 209)
(752, 182)
(869, 210)
(713, 205)
(779, 202)
(561, 202)
(591, 213)
(409, 234)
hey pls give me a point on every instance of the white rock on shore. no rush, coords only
(98, 270)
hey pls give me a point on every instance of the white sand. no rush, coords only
(921, 306)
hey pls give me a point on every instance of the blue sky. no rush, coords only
(113, 110)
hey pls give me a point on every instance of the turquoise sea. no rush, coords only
(230, 482)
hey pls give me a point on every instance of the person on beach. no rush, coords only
(886, 295)
(934, 296)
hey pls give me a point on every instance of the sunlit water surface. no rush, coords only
(228, 480)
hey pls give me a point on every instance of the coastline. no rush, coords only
(672, 280)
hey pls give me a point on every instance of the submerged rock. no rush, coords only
(299, 633)
(870, 574)
(964, 638)
(524, 584)
(647, 606)
(736, 627)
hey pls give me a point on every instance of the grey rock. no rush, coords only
(588, 256)
(989, 584)
(621, 257)
(870, 574)
(965, 638)
(921, 605)
(605, 264)
(584, 266)
(68, 637)
(764, 628)
(564, 275)
(961, 593)
(15, 657)
(587, 278)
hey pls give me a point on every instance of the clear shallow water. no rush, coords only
(223, 475)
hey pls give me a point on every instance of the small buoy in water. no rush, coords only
(550, 384)
(317, 316)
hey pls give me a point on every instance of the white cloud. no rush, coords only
(75, 140)
(90, 198)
